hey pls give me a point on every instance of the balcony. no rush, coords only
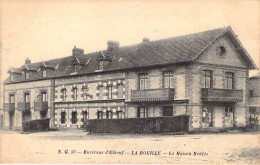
(152, 95)
(221, 95)
(23, 106)
(9, 106)
(41, 106)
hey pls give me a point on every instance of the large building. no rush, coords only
(203, 75)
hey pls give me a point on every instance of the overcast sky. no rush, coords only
(43, 30)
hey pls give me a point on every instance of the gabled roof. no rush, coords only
(181, 49)
(14, 70)
(49, 64)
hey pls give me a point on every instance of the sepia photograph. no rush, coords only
(129, 82)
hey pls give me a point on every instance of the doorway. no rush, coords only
(229, 116)
(11, 120)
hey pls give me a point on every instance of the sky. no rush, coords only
(43, 30)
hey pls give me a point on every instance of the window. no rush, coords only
(110, 92)
(11, 98)
(120, 91)
(64, 94)
(207, 116)
(208, 82)
(109, 115)
(62, 117)
(167, 111)
(44, 73)
(142, 112)
(74, 118)
(251, 93)
(27, 75)
(168, 79)
(75, 68)
(11, 77)
(101, 92)
(100, 65)
(27, 97)
(75, 93)
(100, 115)
(85, 116)
(119, 114)
(85, 94)
(229, 77)
(44, 96)
(143, 81)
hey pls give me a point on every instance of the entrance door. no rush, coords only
(229, 116)
(43, 114)
(11, 120)
(207, 116)
(1, 122)
(26, 116)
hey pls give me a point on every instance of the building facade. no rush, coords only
(203, 75)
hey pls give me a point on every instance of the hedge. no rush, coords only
(138, 125)
(36, 125)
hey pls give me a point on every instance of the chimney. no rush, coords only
(77, 51)
(146, 39)
(112, 45)
(27, 61)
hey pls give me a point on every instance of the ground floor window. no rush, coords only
(253, 116)
(63, 117)
(142, 112)
(119, 114)
(168, 111)
(207, 116)
(74, 118)
(26, 116)
(85, 116)
(100, 115)
(109, 115)
(43, 114)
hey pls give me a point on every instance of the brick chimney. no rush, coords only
(112, 45)
(77, 51)
(27, 61)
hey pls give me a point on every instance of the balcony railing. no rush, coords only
(23, 106)
(152, 95)
(222, 95)
(9, 106)
(41, 106)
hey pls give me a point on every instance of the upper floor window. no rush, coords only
(208, 80)
(43, 96)
(168, 79)
(85, 93)
(120, 91)
(64, 94)
(27, 75)
(44, 73)
(75, 93)
(26, 97)
(251, 93)
(75, 68)
(12, 77)
(143, 81)
(229, 78)
(100, 65)
(110, 92)
(11, 98)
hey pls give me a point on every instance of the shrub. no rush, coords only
(138, 125)
(36, 125)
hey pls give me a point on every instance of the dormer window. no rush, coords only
(44, 73)
(75, 68)
(12, 77)
(27, 76)
(100, 65)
